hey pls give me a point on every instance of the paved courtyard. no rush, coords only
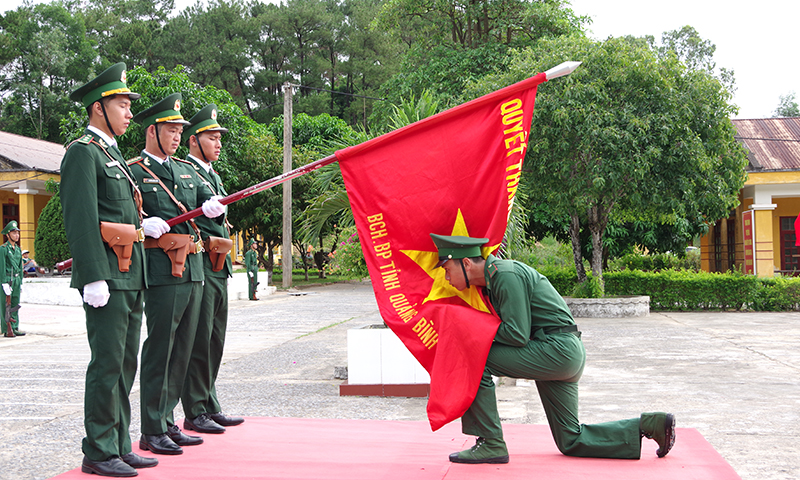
(730, 375)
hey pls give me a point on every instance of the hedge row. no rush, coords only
(687, 290)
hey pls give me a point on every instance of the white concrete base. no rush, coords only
(56, 291)
(609, 307)
(376, 356)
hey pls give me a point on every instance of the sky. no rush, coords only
(757, 40)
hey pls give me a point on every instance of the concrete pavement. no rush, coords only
(730, 375)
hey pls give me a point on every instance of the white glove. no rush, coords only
(96, 293)
(7, 289)
(154, 227)
(249, 273)
(212, 208)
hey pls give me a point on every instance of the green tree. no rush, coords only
(129, 31)
(46, 53)
(787, 107)
(474, 22)
(451, 44)
(629, 135)
(50, 240)
(214, 43)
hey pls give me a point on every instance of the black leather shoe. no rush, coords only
(136, 461)
(160, 444)
(203, 424)
(181, 438)
(112, 467)
(224, 420)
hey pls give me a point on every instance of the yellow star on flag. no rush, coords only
(441, 288)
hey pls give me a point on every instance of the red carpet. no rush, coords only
(314, 449)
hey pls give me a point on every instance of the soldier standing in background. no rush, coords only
(11, 278)
(251, 264)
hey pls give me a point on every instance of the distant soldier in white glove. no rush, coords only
(11, 276)
(251, 263)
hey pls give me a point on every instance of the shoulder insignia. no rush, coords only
(86, 139)
(181, 160)
(134, 160)
(492, 270)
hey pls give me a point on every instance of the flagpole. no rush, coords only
(259, 187)
(558, 71)
(241, 194)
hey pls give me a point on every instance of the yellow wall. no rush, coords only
(27, 225)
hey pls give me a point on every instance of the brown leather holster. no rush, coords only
(176, 246)
(121, 237)
(217, 248)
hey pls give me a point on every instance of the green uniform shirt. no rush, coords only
(185, 185)
(11, 265)
(216, 227)
(94, 188)
(524, 299)
(251, 260)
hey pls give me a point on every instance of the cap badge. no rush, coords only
(177, 105)
(213, 114)
(124, 77)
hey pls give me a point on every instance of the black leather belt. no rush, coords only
(551, 330)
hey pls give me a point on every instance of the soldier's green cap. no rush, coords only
(10, 227)
(111, 82)
(204, 121)
(455, 247)
(167, 110)
(251, 242)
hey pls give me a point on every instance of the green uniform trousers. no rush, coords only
(252, 284)
(199, 395)
(16, 292)
(113, 334)
(172, 314)
(556, 363)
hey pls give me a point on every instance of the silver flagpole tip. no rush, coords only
(560, 70)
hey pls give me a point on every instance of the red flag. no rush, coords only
(455, 173)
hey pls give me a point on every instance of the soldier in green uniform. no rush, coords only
(199, 397)
(251, 264)
(169, 187)
(537, 339)
(11, 277)
(102, 219)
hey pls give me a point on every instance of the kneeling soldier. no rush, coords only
(538, 340)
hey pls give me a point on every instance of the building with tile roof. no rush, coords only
(25, 165)
(759, 235)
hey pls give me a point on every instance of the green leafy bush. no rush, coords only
(50, 241)
(563, 279)
(590, 288)
(656, 263)
(347, 260)
(685, 290)
(777, 294)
